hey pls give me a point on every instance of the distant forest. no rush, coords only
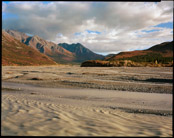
(150, 57)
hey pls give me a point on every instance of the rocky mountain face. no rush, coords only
(156, 56)
(15, 52)
(81, 53)
(18, 35)
(61, 53)
(58, 53)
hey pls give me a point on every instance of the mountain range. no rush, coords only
(157, 55)
(20, 49)
(60, 53)
(15, 52)
(164, 49)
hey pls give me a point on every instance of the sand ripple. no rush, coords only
(24, 116)
(75, 101)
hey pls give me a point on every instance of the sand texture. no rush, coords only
(75, 101)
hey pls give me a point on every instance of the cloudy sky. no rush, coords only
(103, 27)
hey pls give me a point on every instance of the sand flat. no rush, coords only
(37, 108)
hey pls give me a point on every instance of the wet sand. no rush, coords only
(35, 107)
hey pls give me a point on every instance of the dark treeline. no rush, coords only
(155, 57)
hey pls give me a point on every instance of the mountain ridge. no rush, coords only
(15, 52)
(55, 51)
(165, 49)
(156, 56)
(81, 52)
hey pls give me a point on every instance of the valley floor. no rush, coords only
(82, 101)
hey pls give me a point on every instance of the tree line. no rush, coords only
(150, 57)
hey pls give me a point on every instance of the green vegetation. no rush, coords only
(150, 57)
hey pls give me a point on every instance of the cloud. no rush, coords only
(104, 27)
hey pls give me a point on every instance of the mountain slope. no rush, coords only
(156, 56)
(164, 49)
(18, 35)
(82, 53)
(58, 53)
(16, 53)
(61, 53)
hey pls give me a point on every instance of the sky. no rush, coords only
(103, 27)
